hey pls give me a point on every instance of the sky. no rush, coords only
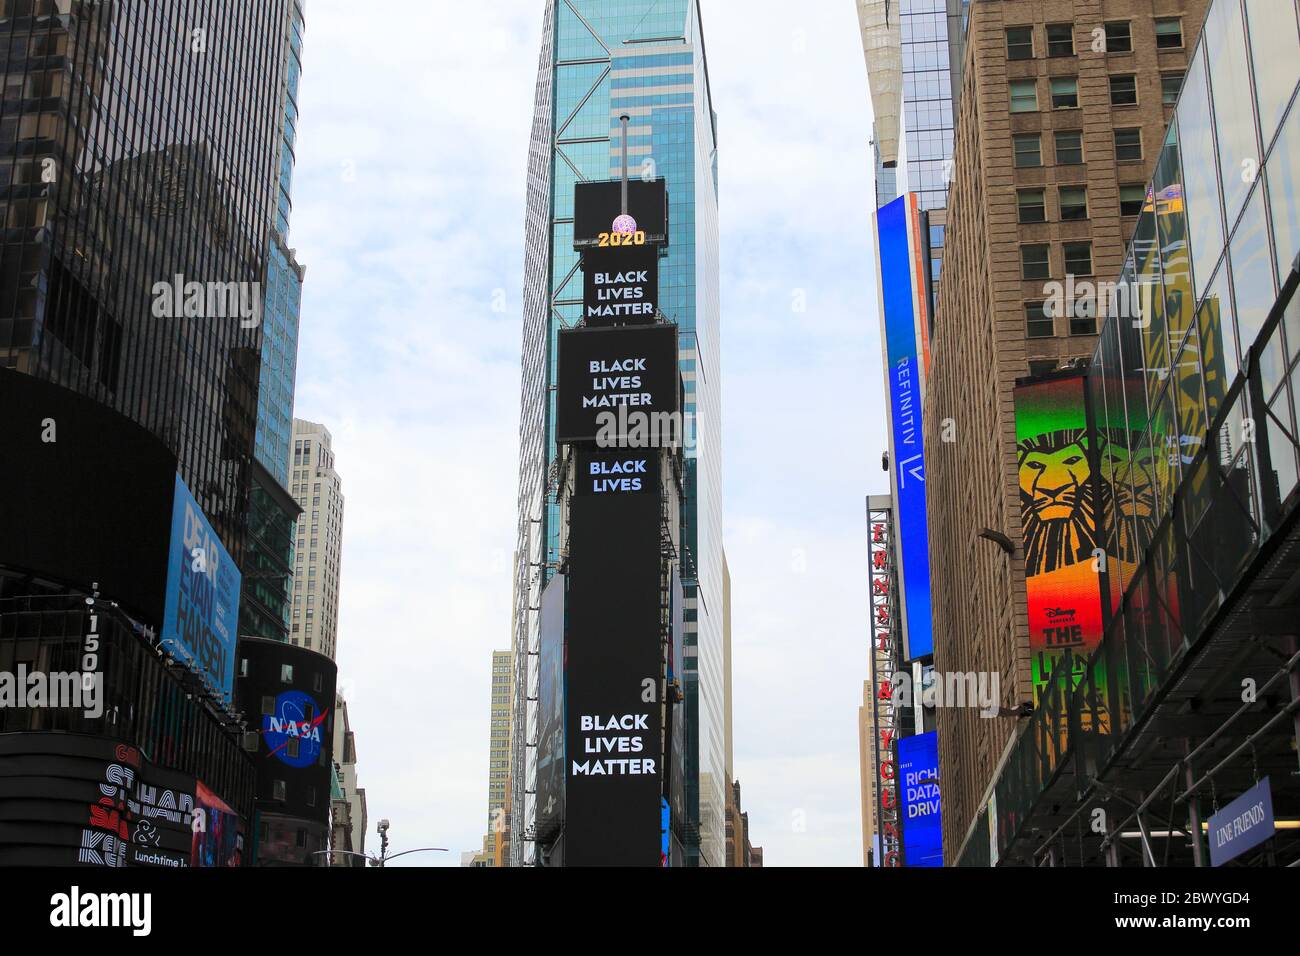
(409, 217)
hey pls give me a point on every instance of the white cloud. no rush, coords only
(409, 204)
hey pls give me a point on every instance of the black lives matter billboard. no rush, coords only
(614, 371)
(613, 728)
(597, 205)
(620, 285)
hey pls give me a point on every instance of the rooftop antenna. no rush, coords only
(624, 120)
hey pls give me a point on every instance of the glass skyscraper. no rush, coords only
(268, 569)
(602, 59)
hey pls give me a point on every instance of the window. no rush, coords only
(1128, 144)
(1078, 258)
(1028, 149)
(1035, 262)
(1024, 96)
(1123, 90)
(1042, 367)
(1170, 84)
(250, 741)
(302, 837)
(1083, 325)
(243, 667)
(1069, 147)
(1119, 38)
(1020, 43)
(1060, 39)
(278, 789)
(1065, 93)
(1169, 33)
(268, 706)
(286, 673)
(1030, 205)
(1131, 198)
(1074, 202)
(311, 796)
(291, 748)
(317, 683)
(1038, 324)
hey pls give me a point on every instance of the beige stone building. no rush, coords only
(1062, 111)
(315, 485)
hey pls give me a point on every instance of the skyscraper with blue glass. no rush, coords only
(600, 60)
(268, 567)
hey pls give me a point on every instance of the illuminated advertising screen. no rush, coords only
(918, 777)
(613, 381)
(598, 208)
(201, 616)
(901, 310)
(550, 712)
(614, 665)
(620, 285)
(1058, 514)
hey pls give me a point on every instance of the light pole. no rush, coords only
(383, 856)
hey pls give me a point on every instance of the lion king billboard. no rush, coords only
(1064, 557)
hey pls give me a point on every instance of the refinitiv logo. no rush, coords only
(75, 909)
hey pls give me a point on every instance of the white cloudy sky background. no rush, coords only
(409, 200)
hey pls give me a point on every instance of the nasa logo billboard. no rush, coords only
(620, 285)
(296, 718)
(612, 369)
(596, 205)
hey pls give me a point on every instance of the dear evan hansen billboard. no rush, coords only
(201, 616)
(902, 316)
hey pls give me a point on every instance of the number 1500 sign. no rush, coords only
(606, 239)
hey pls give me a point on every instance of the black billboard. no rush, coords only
(596, 206)
(607, 373)
(613, 726)
(287, 695)
(85, 494)
(70, 799)
(550, 718)
(620, 285)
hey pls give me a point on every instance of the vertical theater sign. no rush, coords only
(884, 656)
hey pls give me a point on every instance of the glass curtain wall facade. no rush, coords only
(1194, 398)
(932, 53)
(138, 143)
(602, 59)
(1216, 240)
(268, 567)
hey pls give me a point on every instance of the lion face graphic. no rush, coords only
(1129, 477)
(1056, 500)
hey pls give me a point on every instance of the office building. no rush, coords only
(600, 60)
(133, 266)
(138, 149)
(499, 750)
(268, 567)
(317, 489)
(1060, 118)
(1179, 716)
(348, 800)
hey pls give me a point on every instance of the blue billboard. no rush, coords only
(201, 616)
(918, 777)
(903, 371)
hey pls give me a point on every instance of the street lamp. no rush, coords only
(383, 856)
